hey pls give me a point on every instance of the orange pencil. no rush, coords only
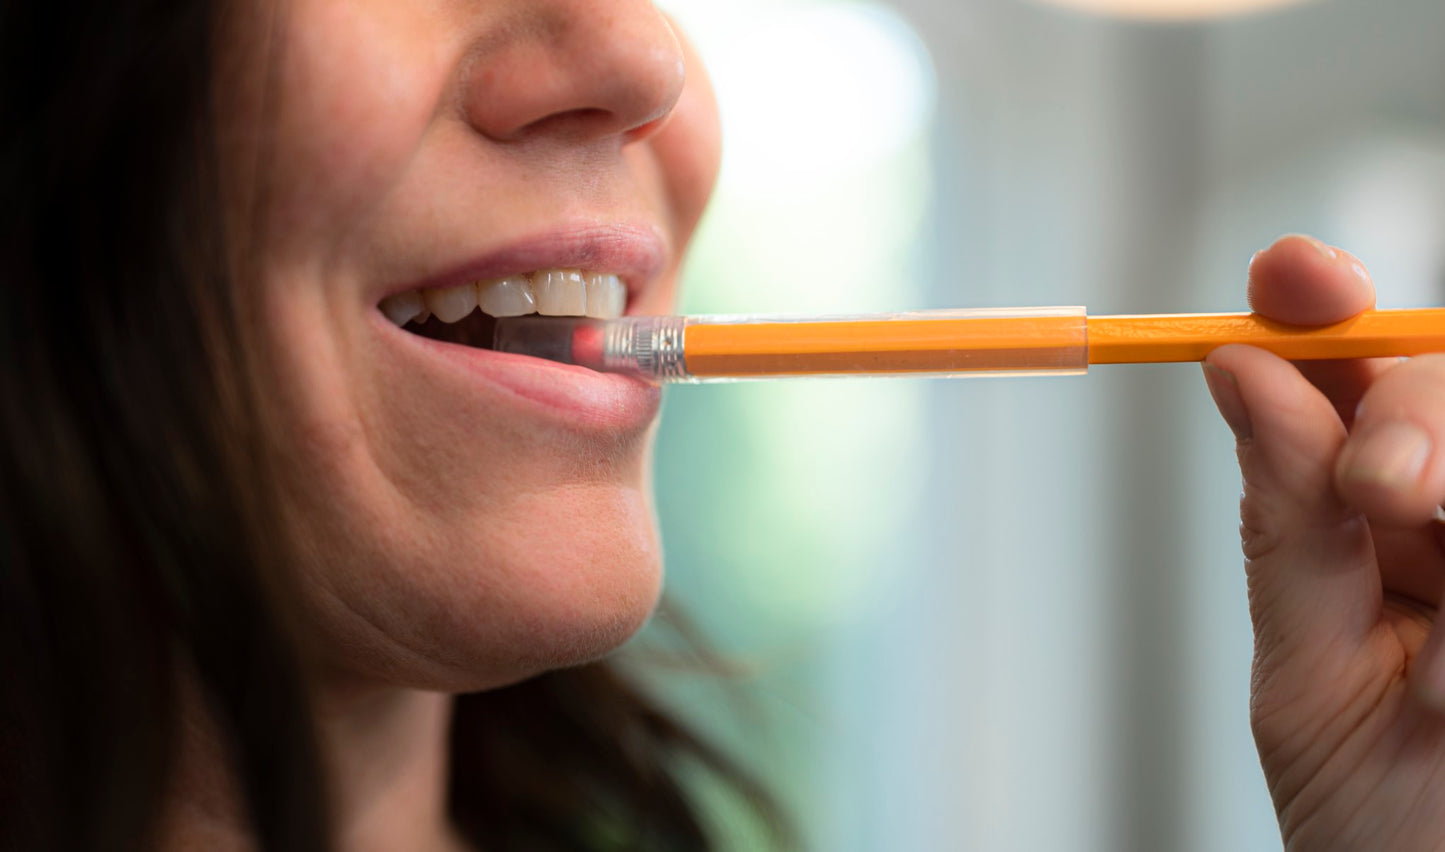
(944, 343)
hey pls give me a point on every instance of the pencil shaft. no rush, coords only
(1190, 337)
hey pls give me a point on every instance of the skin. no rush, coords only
(454, 536)
(1343, 473)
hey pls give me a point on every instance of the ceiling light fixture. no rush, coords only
(1174, 10)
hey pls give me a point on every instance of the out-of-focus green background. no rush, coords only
(1009, 614)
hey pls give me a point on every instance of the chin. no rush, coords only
(575, 572)
(556, 579)
(589, 593)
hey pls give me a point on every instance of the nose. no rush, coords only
(585, 68)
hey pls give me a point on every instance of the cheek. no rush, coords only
(362, 82)
(451, 558)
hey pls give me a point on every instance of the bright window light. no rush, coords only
(827, 110)
(814, 90)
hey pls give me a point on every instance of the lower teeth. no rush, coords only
(474, 330)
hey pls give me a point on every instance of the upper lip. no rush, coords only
(635, 253)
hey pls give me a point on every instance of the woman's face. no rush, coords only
(467, 518)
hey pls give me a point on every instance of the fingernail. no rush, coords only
(1361, 272)
(1324, 250)
(1392, 455)
(1225, 390)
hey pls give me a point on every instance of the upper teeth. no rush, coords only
(552, 292)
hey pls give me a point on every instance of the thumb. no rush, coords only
(1314, 586)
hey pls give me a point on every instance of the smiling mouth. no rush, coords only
(467, 314)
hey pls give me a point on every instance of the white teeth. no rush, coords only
(403, 307)
(606, 297)
(560, 293)
(451, 304)
(550, 292)
(509, 297)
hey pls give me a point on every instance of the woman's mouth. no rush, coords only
(440, 328)
(443, 339)
(466, 314)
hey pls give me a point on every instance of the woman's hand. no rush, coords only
(1344, 471)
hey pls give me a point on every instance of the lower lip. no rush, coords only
(571, 396)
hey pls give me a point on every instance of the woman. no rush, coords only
(267, 513)
(257, 534)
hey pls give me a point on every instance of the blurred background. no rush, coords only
(1009, 614)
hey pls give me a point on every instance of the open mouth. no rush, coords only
(467, 314)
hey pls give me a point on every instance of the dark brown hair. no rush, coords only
(136, 519)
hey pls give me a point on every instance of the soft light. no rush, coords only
(813, 91)
(1173, 10)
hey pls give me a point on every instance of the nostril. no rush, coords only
(642, 131)
(583, 123)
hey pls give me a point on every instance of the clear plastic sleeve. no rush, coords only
(732, 348)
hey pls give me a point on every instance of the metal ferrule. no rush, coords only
(648, 346)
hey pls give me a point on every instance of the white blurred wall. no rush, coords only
(1081, 641)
